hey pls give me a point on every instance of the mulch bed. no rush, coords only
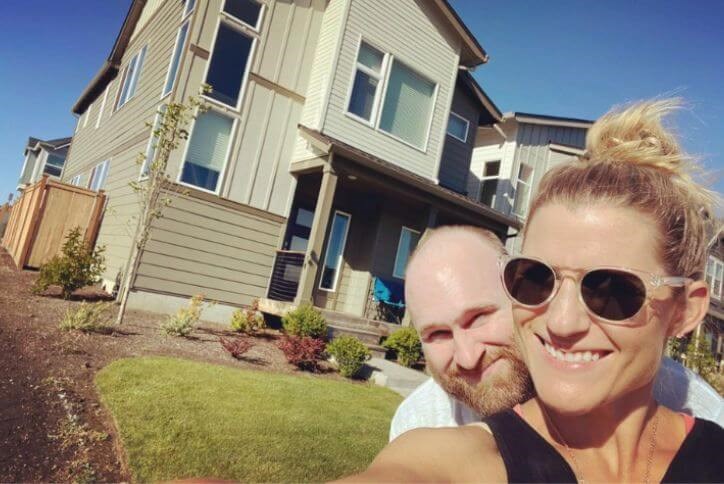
(52, 425)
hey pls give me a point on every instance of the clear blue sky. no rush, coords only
(566, 58)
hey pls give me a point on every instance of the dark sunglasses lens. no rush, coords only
(613, 294)
(528, 281)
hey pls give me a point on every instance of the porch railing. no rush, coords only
(285, 276)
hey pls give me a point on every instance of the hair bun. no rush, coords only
(636, 134)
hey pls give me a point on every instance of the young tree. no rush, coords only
(155, 187)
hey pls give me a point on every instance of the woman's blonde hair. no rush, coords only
(633, 160)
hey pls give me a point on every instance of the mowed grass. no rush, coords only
(182, 419)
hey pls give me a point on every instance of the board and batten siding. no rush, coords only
(224, 252)
(122, 134)
(257, 172)
(418, 37)
(455, 163)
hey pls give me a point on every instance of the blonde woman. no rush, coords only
(611, 267)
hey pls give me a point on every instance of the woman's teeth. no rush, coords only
(572, 357)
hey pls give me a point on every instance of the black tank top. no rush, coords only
(528, 457)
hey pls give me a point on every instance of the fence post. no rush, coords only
(94, 222)
(36, 215)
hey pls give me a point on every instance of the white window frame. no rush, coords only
(338, 270)
(87, 115)
(715, 263)
(524, 206)
(143, 175)
(45, 165)
(467, 127)
(76, 180)
(245, 29)
(103, 106)
(164, 92)
(134, 80)
(222, 173)
(381, 92)
(103, 167)
(397, 253)
(189, 7)
(484, 178)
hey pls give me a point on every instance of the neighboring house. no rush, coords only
(43, 158)
(511, 157)
(713, 326)
(338, 132)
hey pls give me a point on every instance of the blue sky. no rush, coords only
(565, 58)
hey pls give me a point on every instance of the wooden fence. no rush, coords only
(42, 217)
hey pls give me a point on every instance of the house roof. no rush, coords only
(491, 113)
(111, 66)
(549, 120)
(473, 53)
(51, 145)
(328, 143)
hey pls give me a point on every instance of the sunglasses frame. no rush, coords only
(652, 281)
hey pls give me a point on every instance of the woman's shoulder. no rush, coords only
(699, 458)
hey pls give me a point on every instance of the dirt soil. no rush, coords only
(52, 424)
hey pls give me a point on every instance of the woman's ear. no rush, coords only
(696, 298)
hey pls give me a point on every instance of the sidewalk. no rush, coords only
(393, 376)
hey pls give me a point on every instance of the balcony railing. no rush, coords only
(285, 276)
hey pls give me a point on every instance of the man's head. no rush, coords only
(457, 304)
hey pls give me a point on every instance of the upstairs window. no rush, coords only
(207, 151)
(714, 275)
(522, 189)
(103, 106)
(176, 58)
(189, 7)
(457, 127)
(406, 245)
(98, 176)
(367, 80)
(152, 143)
(54, 165)
(248, 11)
(489, 183)
(76, 180)
(409, 98)
(131, 76)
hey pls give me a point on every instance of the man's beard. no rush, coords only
(498, 392)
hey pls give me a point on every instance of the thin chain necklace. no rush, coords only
(577, 468)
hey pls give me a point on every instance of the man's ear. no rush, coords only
(696, 299)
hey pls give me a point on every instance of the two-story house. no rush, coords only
(511, 157)
(713, 326)
(337, 132)
(43, 158)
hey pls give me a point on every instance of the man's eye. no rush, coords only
(437, 336)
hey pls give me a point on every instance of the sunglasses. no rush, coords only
(613, 294)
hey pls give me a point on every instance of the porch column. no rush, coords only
(429, 225)
(312, 260)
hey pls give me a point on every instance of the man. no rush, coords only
(458, 306)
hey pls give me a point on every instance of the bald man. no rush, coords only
(457, 304)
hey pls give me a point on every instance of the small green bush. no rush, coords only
(89, 318)
(349, 353)
(247, 321)
(406, 343)
(79, 265)
(183, 322)
(305, 321)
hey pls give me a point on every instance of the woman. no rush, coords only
(611, 267)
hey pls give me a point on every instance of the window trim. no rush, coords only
(716, 262)
(160, 112)
(397, 252)
(379, 104)
(164, 92)
(104, 166)
(229, 150)
(45, 165)
(135, 79)
(484, 178)
(75, 181)
(256, 27)
(467, 127)
(103, 106)
(338, 271)
(87, 115)
(186, 10)
(528, 184)
(247, 30)
(372, 122)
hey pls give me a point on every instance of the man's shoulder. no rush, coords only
(427, 406)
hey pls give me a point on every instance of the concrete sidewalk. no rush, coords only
(393, 376)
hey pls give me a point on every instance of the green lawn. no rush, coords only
(180, 419)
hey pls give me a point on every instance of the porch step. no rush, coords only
(370, 339)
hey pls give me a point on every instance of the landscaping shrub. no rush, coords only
(77, 266)
(304, 352)
(89, 318)
(350, 354)
(236, 346)
(305, 321)
(183, 322)
(405, 342)
(248, 321)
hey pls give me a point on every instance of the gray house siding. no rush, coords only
(456, 155)
(412, 32)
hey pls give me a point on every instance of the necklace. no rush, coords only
(577, 468)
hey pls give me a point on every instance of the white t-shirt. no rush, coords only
(676, 387)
